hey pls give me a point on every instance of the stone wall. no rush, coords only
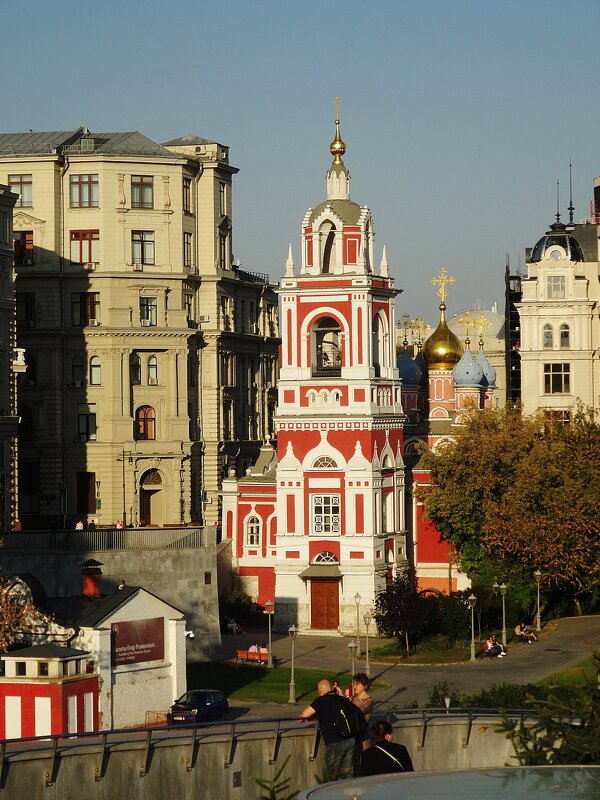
(219, 766)
(185, 578)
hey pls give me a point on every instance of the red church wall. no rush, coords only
(266, 582)
(430, 548)
(316, 547)
(291, 513)
(360, 513)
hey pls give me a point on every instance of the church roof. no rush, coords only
(347, 210)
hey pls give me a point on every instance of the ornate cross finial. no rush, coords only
(468, 323)
(421, 327)
(481, 322)
(442, 279)
(337, 102)
(404, 326)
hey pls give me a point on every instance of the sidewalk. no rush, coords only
(563, 642)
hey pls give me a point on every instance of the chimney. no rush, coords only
(91, 574)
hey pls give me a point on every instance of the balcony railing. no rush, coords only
(104, 539)
(323, 371)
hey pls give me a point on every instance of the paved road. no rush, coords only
(561, 643)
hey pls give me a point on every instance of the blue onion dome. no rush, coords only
(489, 373)
(468, 372)
(410, 373)
(420, 363)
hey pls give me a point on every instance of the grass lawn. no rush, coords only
(394, 654)
(258, 684)
(578, 675)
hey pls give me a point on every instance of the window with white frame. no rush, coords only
(324, 462)
(548, 337)
(148, 310)
(86, 422)
(556, 286)
(565, 336)
(152, 371)
(253, 531)
(95, 371)
(326, 557)
(326, 513)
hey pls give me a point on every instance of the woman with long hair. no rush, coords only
(384, 755)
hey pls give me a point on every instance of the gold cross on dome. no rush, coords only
(337, 102)
(468, 322)
(442, 279)
(482, 323)
(421, 327)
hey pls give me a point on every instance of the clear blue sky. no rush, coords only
(459, 116)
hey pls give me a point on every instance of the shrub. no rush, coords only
(435, 644)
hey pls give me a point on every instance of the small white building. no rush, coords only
(135, 641)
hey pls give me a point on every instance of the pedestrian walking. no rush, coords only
(339, 751)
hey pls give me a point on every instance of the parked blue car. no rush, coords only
(199, 705)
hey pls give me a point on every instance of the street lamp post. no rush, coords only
(538, 620)
(357, 601)
(293, 632)
(472, 601)
(367, 620)
(269, 611)
(502, 588)
(352, 651)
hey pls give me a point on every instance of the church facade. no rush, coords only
(318, 525)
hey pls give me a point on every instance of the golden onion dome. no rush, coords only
(443, 349)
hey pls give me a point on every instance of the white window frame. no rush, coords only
(326, 514)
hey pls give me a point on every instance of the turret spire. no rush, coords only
(571, 206)
(337, 147)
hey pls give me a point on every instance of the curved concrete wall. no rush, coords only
(222, 766)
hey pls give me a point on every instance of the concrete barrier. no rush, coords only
(221, 762)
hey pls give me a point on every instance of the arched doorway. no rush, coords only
(152, 511)
(324, 575)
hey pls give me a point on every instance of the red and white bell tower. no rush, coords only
(338, 529)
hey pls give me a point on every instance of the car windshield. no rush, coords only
(193, 698)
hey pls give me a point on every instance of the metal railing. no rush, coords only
(103, 539)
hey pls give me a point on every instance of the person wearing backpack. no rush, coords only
(339, 723)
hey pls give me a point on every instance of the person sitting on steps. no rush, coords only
(525, 634)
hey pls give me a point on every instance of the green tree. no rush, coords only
(400, 610)
(514, 492)
(564, 732)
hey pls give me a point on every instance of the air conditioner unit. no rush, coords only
(138, 267)
(77, 384)
(152, 381)
(145, 323)
(90, 265)
(82, 437)
(93, 322)
(203, 318)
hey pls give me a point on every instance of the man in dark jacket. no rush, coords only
(339, 752)
(385, 755)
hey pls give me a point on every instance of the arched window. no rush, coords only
(95, 371)
(328, 231)
(135, 369)
(326, 558)
(145, 423)
(326, 343)
(565, 336)
(379, 341)
(152, 371)
(548, 340)
(253, 531)
(77, 370)
(324, 462)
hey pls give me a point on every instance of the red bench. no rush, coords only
(252, 657)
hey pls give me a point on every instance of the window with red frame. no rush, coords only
(85, 247)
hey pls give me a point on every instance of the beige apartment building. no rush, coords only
(150, 354)
(11, 363)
